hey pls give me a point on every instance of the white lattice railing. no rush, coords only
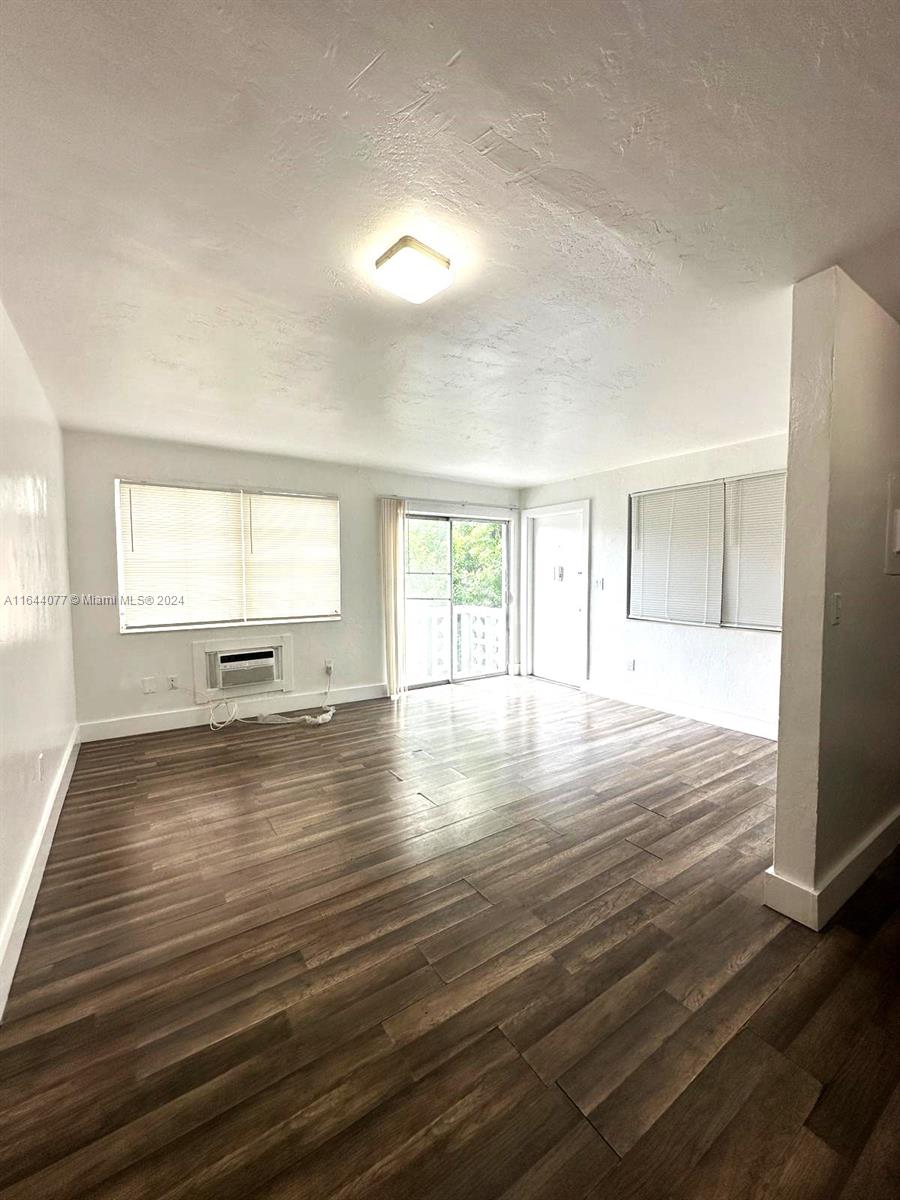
(477, 641)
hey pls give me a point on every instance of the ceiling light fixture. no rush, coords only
(412, 270)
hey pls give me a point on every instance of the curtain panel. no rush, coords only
(393, 553)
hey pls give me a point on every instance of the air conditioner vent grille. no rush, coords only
(235, 668)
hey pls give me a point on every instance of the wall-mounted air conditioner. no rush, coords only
(242, 667)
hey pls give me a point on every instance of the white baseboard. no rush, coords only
(791, 899)
(816, 906)
(198, 714)
(16, 924)
(724, 719)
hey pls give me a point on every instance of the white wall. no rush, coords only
(37, 701)
(109, 665)
(728, 677)
(838, 804)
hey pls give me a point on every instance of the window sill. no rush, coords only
(704, 624)
(261, 624)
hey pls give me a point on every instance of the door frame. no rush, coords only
(506, 566)
(526, 560)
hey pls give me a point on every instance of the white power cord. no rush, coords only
(231, 713)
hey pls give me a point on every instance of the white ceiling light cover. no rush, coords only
(413, 271)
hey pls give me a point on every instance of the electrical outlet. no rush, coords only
(172, 681)
(329, 666)
(630, 664)
(148, 685)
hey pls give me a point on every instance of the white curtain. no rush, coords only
(393, 522)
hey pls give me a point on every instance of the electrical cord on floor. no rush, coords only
(231, 713)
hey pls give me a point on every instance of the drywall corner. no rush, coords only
(839, 755)
(859, 755)
(806, 527)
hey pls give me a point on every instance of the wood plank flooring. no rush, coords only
(499, 940)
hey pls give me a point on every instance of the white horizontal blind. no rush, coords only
(676, 554)
(754, 551)
(225, 557)
(180, 542)
(293, 557)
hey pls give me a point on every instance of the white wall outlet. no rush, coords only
(329, 666)
(172, 681)
(148, 685)
(630, 665)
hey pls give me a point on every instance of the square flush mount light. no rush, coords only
(413, 270)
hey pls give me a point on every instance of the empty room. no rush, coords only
(450, 623)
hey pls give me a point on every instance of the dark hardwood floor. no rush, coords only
(501, 940)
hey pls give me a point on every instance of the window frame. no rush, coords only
(242, 489)
(629, 616)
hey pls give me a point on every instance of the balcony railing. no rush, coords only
(476, 641)
(479, 640)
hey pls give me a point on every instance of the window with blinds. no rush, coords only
(676, 554)
(199, 556)
(710, 553)
(754, 551)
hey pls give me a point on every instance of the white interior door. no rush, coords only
(559, 594)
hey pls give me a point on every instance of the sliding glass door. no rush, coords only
(428, 600)
(478, 610)
(456, 612)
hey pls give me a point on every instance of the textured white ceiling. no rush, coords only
(194, 192)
